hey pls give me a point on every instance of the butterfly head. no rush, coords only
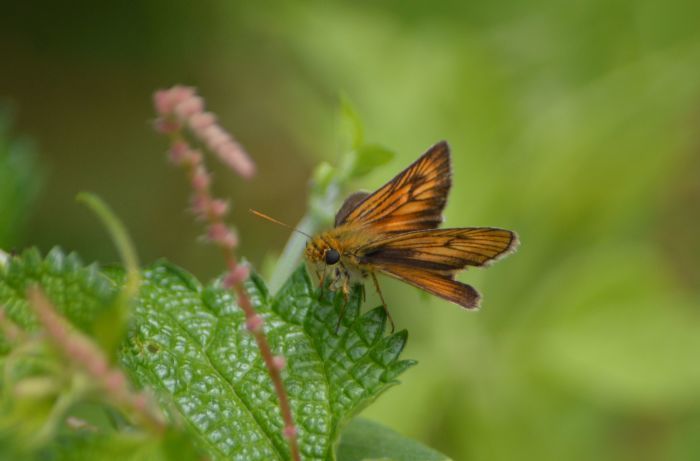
(319, 251)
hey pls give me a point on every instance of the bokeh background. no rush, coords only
(574, 123)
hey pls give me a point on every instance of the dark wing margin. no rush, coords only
(413, 200)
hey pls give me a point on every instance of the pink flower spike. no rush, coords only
(97, 365)
(218, 232)
(200, 122)
(140, 401)
(290, 431)
(218, 208)
(201, 179)
(239, 274)
(230, 241)
(200, 207)
(279, 362)
(115, 382)
(222, 236)
(195, 158)
(214, 136)
(163, 102)
(75, 349)
(237, 159)
(254, 323)
(189, 107)
(166, 125)
(54, 326)
(179, 152)
(181, 93)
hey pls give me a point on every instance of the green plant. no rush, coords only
(149, 363)
(19, 180)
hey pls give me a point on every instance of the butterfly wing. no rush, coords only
(434, 283)
(349, 205)
(440, 249)
(430, 259)
(413, 200)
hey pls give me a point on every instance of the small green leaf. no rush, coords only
(364, 440)
(351, 130)
(322, 177)
(110, 326)
(79, 292)
(368, 157)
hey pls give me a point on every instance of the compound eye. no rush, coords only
(332, 256)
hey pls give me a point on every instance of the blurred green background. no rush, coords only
(573, 123)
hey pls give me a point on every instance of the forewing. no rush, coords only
(349, 205)
(430, 259)
(413, 200)
(443, 250)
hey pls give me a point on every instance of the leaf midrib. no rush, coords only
(243, 403)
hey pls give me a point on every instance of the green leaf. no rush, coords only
(79, 292)
(357, 158)
(365, 440)
(351, 131)
(191, 345)
(368, 157)
(41, 387)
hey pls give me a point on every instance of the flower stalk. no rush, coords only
(179, 110)
(82, 350)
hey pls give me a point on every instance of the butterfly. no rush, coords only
(394, 231)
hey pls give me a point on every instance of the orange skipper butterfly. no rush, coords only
(394, 231)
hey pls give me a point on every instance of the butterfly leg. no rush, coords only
(381, 296)
(345, 288)
(321, 281)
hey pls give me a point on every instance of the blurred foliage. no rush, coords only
(190, 345)
(364, 440)
(19, 181)
(573, 123)
(42, 389)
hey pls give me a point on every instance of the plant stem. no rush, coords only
(178, 108)
(321, 206)
(292, 252)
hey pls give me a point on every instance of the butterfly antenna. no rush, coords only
(264, 216)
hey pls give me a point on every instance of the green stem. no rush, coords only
(120, 237)
(321, 209)
(292, 252)
(110, 326)
(58, 412)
